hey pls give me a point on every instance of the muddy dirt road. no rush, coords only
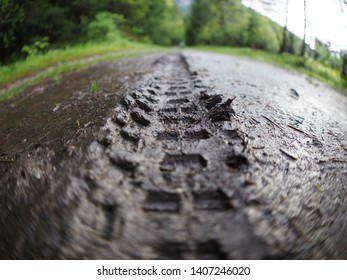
(183, 155)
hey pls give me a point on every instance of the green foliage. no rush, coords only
(66, 23)
(344, 67)
(322, 51)
(11, 16)
(261, 33)
(30, 28)
(39, 45)
(33, 64)
(218, 22)
(155, 21)
(11, 21)
(57, 78)
(308, 66)
(293, 44)
(228, 22)
(94, 86)
(105, 27)
(59, 61)
(200, 14)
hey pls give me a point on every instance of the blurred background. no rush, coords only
(310, 35)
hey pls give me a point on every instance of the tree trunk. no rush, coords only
(285, 30)
(222, 25)
(344, 66)
(303, 46)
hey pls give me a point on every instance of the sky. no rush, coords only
(325, 20)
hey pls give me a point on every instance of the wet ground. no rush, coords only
(176, 156)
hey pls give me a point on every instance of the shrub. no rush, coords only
(105, 27)
(38, 45)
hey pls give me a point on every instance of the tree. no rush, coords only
(154, 21)
(218, 22)
(344, 66)
(343, 4)
(11, 24)
(105, 27)
(303, 46)
(281, 35)
(200, 20)
(222, 20)
(261, 33)
(67, 22)
(285, 30)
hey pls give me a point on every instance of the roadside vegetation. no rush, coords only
(64, 56)
(32, 27)
(56, 70)
(309, 66)
(45, 38)
(227, 26)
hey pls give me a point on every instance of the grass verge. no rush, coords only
(305, 65)
(60, 61)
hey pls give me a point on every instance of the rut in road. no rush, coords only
(172, 163)
(175, 167)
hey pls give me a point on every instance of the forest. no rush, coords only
(30, 28)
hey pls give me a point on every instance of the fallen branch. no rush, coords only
(4, 159)
(288, 154)
(313, 137)
(297, 129)
(273, 122)
(335, 160)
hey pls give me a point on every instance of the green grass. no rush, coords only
(94, 87)
(39, 62)
(68, 59)
(61, 61)
(308, 66)
(57, 72)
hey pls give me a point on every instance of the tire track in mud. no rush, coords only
(178, 169)
(167, 160)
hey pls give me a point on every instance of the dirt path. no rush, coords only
(192, 155)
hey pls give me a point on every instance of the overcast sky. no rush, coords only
(325, 20)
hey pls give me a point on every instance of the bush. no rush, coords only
(105, 27)
(38, 45)
(344, 67)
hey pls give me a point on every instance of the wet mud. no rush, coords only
(183, 155)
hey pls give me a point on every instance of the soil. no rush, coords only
(181, 155)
